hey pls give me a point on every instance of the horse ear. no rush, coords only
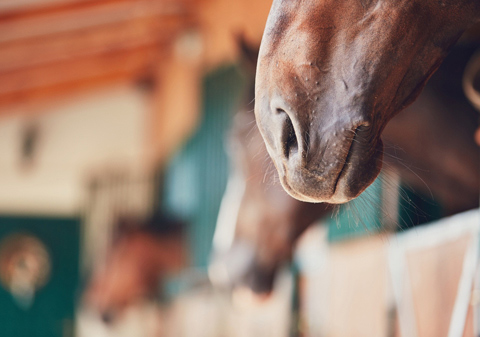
(248, 52)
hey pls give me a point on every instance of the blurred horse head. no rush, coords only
(264, 221)
(138, 259)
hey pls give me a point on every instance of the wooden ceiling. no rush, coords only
(52, 46)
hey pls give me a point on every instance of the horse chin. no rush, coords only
(302, 193)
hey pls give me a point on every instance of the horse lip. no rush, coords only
(342, 171)
(344, 167)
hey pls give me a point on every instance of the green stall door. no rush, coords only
(38, 252)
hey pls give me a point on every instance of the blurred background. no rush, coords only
(137, 199)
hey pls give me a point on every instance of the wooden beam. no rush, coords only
(72, 44)
(117, 37)
(88, 18)
(11, 11)
(67, 76)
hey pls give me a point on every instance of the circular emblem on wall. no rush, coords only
(25, 266)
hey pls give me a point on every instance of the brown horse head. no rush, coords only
(332, 73)
(264, 221)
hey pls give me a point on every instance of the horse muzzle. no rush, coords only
(321, 158)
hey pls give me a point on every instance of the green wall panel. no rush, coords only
(196, 178)
(52, 310)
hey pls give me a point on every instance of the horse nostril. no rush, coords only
(289, 138)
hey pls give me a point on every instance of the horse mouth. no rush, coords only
(345, 166)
